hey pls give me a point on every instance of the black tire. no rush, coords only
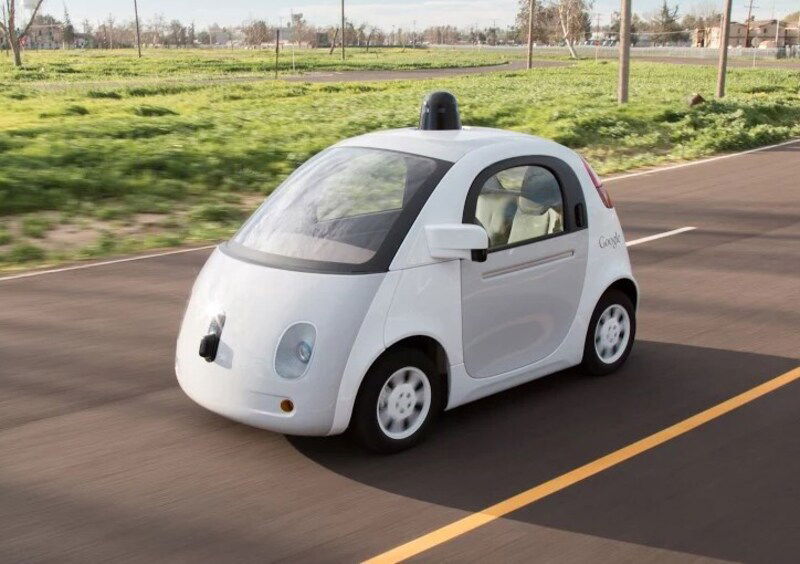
(364, 425)
(592, 362)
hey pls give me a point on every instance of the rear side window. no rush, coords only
(520, 203)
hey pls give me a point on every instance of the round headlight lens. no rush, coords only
(304, 352)
(295, 350)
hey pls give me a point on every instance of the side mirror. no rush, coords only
(457, 241)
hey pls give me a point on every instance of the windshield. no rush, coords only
(342, 206)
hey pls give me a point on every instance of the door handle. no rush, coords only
(528, 264)
(580, 215)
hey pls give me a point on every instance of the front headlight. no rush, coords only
(295, 350)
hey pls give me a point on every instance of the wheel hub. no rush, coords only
(404, 402)
(612, 333)
(401, 402)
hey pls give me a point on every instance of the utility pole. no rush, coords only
(777, 25)
(343, 31)
(625, 51)
(531, 8)
(723, 49)
(597, 39)
(747, 23)
(138, 35)
(277, 49)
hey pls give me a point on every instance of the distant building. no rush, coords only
(762, 34)
(44, 36)
(322, 39)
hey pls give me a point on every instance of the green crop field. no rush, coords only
(96, 169)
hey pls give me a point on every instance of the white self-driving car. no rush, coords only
(405, 272)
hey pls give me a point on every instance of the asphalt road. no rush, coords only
(102, 457)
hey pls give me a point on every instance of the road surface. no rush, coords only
(102, 457)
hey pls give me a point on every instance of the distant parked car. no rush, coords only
(404, 272)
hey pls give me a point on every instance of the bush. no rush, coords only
(25, 252)
(218, 213)
(36, 227)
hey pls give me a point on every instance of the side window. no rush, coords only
(520, 203)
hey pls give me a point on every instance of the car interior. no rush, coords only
(519, 204)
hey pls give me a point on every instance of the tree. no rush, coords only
(256, 33)
(546, 27)
(300, 29)
(9, 28)
(68, 33)
(575, 22)
(792, 19)
(665, 24)
(636, 23)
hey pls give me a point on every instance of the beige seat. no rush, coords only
(539, 211)
(495, 211)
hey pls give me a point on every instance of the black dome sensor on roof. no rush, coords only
(439, 111)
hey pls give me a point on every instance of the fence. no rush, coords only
(605, 52)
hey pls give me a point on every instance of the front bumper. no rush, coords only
(218, 393)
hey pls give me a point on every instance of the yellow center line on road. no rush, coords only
(475, 520)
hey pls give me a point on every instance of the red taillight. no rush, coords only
(598, 184)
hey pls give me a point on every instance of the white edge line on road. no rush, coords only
(103, 263)
(698, 162)
(659, 236)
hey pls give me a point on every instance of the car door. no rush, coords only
(520, 299)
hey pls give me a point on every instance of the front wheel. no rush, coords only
(609, 338)
(398, 402)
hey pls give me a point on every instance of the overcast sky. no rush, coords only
(385, 13)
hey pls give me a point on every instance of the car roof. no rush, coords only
(449, 145)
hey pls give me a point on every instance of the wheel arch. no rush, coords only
(430, 347)
(628, 287)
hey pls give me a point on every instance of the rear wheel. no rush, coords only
(398, 402)
(611, 332)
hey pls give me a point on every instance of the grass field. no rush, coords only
(92, 170)
(194, 64)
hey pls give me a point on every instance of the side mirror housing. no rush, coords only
(456, 240)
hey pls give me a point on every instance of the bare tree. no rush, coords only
(256, 33)
(333, 41)
(572, 17)
(9, 27)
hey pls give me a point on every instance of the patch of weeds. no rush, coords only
(153, 111)
(25, 252)
(108, 94)
(108, 213)
(5, 236)
(71, 110)
(36, 227)
(218, 213)
(105, 244)
(140, 91)
(764, 89)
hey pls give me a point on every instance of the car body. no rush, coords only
(489, 309)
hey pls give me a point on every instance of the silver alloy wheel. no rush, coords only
(612, 333)
(404, 403)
